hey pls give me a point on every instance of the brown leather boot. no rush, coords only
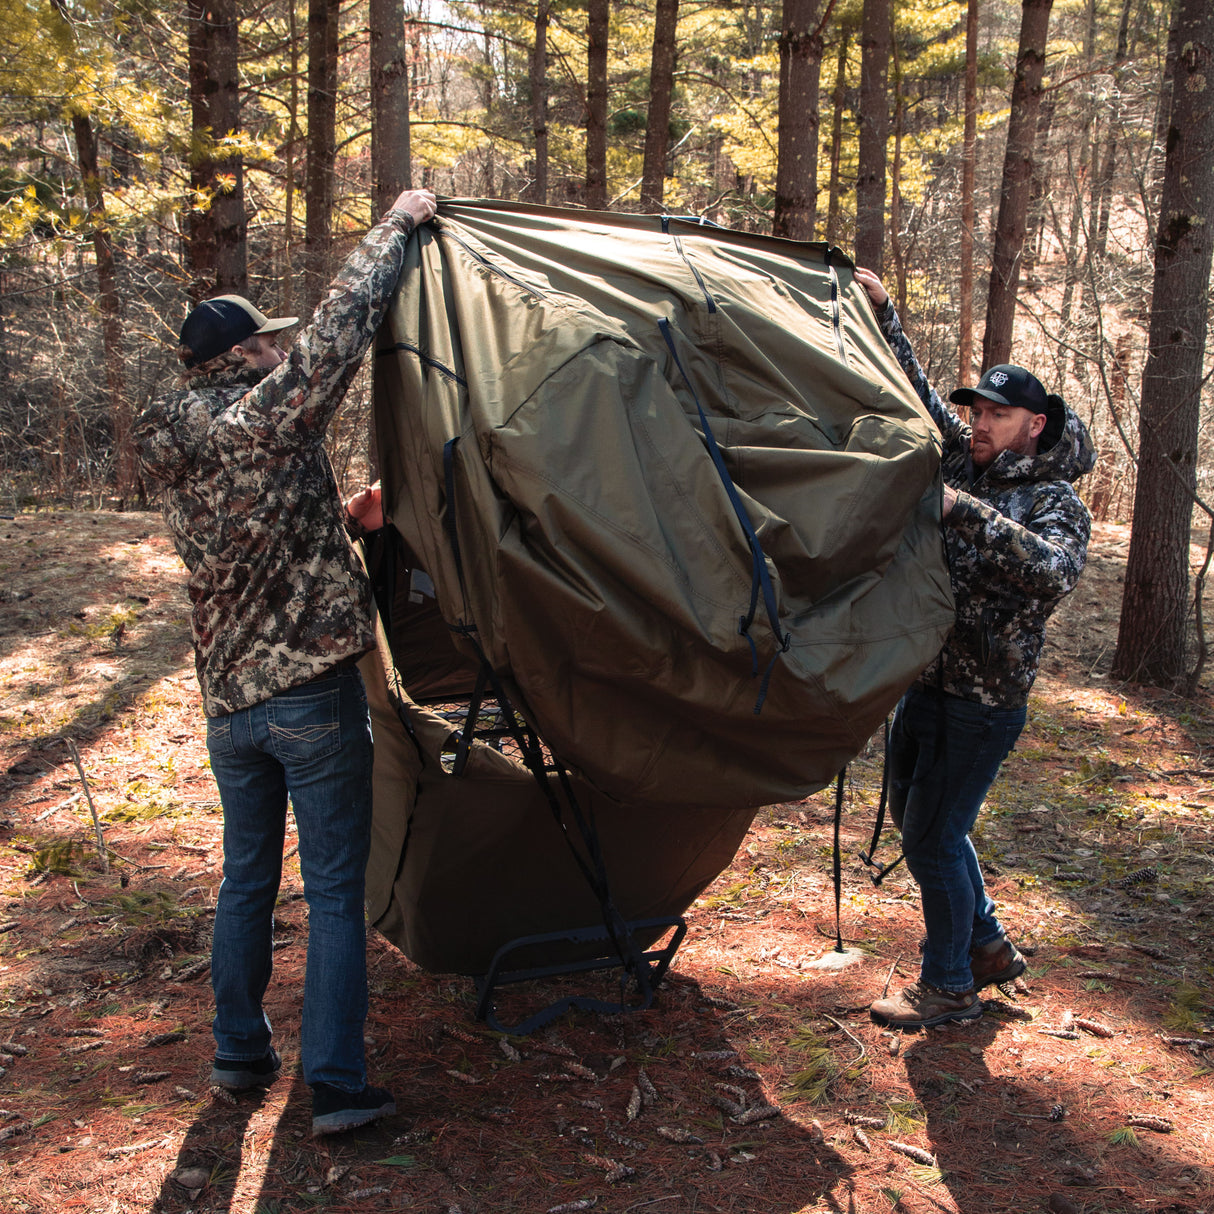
(922, 1005)
(995, 963)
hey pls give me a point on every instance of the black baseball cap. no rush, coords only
(216, 325)
(1007, 385)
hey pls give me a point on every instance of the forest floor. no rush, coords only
(1089, 1087)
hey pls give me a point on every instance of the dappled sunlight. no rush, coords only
(1096, 842)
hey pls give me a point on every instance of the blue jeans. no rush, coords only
(944, 754)
(312, 743)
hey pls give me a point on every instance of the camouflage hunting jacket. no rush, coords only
(1016, 540)
(278, 595)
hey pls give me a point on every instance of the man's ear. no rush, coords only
(1037, 424)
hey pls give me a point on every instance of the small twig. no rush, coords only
(54, 809)
(849, 1033)
(143, 868)
(890, 975)
(84, 780)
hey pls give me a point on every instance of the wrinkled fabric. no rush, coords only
(1017, 542)
(539, 387)
(278, 594)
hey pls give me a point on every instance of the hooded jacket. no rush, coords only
(278, 595)
(1016, 540)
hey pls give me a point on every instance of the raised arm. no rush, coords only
(947, 422)
(297, 401)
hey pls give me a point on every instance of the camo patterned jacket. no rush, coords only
(1016, 540)
(278, 594)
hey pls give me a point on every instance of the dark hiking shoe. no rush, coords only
(995, 963)
(334, 1110)
(920, 1006)
(243, 1076)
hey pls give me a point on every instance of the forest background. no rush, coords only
(1044, 175)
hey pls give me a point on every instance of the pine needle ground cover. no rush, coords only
(756, 1084)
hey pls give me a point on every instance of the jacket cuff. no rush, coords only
(966, 511)
(402, 220)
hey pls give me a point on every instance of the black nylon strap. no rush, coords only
(760, 578)
(592, 866)
(869, 857)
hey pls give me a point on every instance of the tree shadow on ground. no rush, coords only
(45, 750)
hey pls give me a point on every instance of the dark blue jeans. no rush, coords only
(313, 744)
(944, 754)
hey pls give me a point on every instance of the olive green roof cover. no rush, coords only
(601, 565)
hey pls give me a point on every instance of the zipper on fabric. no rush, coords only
(836, 313)
(424, 359)
(678, 244)
(493, 267)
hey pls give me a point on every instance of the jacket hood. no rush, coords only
(1072, 455)
(169, 434)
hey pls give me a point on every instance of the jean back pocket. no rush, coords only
(304, 727)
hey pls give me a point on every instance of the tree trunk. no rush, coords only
(216, 254)
(661, 86)
(895, 179)
(969, 158)
(1103, 197)
(391, 169)
(874, 127)
(1017, 183)
(1039, 189)
(1080, 334)
(837, 99)
(1154, 609)
(323, 25)
(125, 475)
(390, 158)
(5, 361)
(597, 18)
(1163, 112)
(539, 102)
(796, 208)
(1079, 180)
(286, 288)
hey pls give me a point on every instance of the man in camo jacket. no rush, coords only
(1016, 535)
(281, 614)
